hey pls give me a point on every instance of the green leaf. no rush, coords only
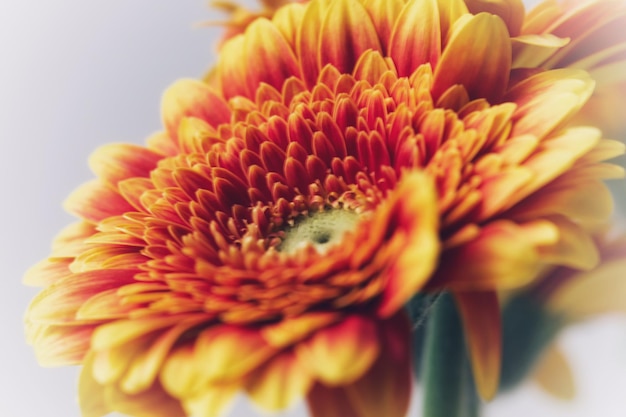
(445, 372)
(528, 328)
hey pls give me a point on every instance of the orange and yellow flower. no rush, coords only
(339, 161)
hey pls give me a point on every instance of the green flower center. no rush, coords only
(322, 230)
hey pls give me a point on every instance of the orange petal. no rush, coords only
(478, 56)
(346, 32)
(504, 255)
(225, 353)
(281, 382)
(144, 369)
(115, 162)
(307, 40)
(342, 352)
(60, 302)
(59, 345)
(47, 272)
(269, 57)
(94, 201)
(416, 37)
(294, 329)
(413, 208)
(547, 100)
(480, 313)
(384, 15)
(385, 390)
(191, 98)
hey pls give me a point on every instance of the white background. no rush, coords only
(77, 74)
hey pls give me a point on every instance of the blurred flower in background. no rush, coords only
(343, 160)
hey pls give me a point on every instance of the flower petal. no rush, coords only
(554, 374)
(478, 56)
(385, 390)
(94, 201)
(115, 162)
(416, 36)
(346, 33)
(281, 382)
(342, 352)
(480, 314)
(191, 98)
(268, 55)
(413, 208)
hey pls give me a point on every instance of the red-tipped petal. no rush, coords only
(416, 36)
(347, 31)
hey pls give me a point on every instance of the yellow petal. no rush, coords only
(530, 51)
(212, 401)
(346, 33)
(416, 36)
(478, 56)
(191, 98)
(268, 57)
(342, 352)
(281, 382)
(414, 209)
(115, 162)
(554, 375)
(294, 329)
(575, 247)
(591, 293)
(547, 100)
(90, 393)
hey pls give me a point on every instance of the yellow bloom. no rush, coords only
(341, 161)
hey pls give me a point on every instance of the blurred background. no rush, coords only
(75, 75)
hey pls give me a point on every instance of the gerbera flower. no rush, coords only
(267, 240)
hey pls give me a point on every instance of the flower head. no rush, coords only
(339, 162)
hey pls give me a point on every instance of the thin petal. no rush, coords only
(575, 247)
(478, 56)
(510, 11)
(480, 313)
(294, 329)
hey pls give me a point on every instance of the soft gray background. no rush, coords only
(76, 74)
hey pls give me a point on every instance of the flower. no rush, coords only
(338, 162)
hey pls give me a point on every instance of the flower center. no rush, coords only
(322, 230)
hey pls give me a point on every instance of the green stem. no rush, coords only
(445, 374)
